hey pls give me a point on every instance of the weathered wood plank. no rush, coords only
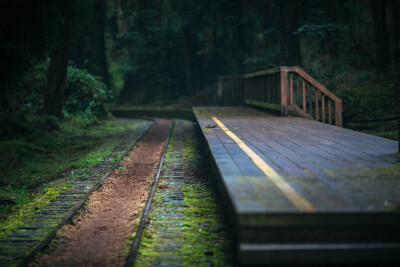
(323, 108)
(291, 89)
(345, 175)
(304, 96)
(329, 111)
(316, 105)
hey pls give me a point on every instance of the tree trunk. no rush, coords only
(100, 43)
(187, 44)
(288, 24)
(57, 72)
(241, 50)
(381, 38)
(140, 8)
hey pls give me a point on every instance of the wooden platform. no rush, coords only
(304, 191)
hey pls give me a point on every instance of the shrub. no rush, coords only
(369, 100)
(85, 93)
(20, 114)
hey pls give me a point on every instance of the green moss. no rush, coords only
(204, 237)
(26, 210)
(206, 241)
(38, 171)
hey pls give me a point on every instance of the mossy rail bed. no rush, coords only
(343, 200)
(29, 230)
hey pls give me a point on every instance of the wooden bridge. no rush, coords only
(299, 189)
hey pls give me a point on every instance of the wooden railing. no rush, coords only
(230, 89)
(285, 91)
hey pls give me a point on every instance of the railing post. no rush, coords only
(291, 89)
(338, 113)
(284, 92)
(323, 107)
(329, 111)
(304, 95)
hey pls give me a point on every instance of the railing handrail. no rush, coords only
(314, 82)
(273, 89)
(262, 72)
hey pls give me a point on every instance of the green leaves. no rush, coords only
(85, 93)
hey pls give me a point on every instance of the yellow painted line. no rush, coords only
(290, 193)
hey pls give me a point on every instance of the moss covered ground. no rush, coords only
(49, 163)
(197, 234)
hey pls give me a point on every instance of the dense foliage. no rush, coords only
(161, 49)
(84, 97)
(156, 52)
(146, 51)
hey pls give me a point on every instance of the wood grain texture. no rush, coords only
(307, 153)
(351, 179)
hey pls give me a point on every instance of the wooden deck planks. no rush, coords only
(351, 179)
(322, 155)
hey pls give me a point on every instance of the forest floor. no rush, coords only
(100, 234)
(384, 128)
(50, 162)
(33, 163)
(102, 230)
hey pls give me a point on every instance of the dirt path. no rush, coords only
(101, 232)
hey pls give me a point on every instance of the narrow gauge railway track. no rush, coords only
(21, 246)
(182, 224)
(146, 211)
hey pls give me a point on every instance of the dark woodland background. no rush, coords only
(71, 57)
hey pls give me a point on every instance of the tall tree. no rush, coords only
(288, 24)
(381, 37)
(188, 47)
(99, 15)
(57, 73)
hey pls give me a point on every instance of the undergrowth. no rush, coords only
(29, 162)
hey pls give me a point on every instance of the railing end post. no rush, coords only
(284, 91)
(338, 113)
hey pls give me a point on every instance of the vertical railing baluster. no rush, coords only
(270, 77)
(284, 88)
(297, 90)
(273, 88)
(310, 106)
(264, 88)
(323, 107)
(304, 95)
(246, 92)
(256, 81)
(329, 111)
(291, 89)
(251, 89)
(255, 88)
(316, 105)
(338, 113)
(261, 89)
(267, 88)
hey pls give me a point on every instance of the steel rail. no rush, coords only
(136, 241)
(53, 233)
